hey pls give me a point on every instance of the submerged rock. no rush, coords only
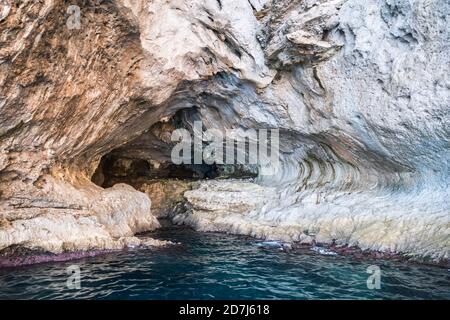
(323, 251)
(273, 245)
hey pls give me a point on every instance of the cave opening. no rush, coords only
(115, 169)
(146, 164)
(164, 182)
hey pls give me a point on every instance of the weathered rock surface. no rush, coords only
(92, 219)
(360, 91)
(167, 195)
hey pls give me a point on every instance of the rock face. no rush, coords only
(359, 89)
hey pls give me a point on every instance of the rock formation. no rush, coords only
(359, 89)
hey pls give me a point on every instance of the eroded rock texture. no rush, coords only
(359, 90)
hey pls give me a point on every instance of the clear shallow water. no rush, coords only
(218, 266)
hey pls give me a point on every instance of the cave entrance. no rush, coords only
(165, 183)
(113, 169)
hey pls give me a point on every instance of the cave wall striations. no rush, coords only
(359, 89)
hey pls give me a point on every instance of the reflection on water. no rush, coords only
(218, 266)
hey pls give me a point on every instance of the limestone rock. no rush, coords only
(359, 89)
(166, 195)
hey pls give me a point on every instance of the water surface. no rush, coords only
(219, 266)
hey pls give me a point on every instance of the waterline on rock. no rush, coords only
(220, 266)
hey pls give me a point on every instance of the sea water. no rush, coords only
(220, 266)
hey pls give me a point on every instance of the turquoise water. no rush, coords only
(218, 266)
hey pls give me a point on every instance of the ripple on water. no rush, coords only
(218, 266)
